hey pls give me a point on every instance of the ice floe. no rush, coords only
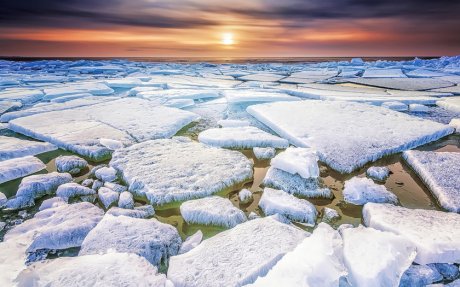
(245, 195)
(51, 203)
(383, 73)
(379, 173)
(452, 104)
(39, 185)
(11, 147)
(72, 189)
(360, 190)
(71, 164)
(434, 233)
(275, 201)
(151, 169)
(440, 171)
(411, 84)
(213, 210)
(25, 96)
(191, 242)
(19, 167)
(396, 106)
(417, 108)
(245, 96)
(107, 196)
(94, 88)
(149, 238)
(143, 211)
(261, 242)
(350, 124)
(263, 153)
(241, 138)
(126, 200)
(301, 161)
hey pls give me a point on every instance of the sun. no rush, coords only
(227, 39)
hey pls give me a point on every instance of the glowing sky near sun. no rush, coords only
(257, 28)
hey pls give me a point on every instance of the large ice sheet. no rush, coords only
(126, 120)
(243, 96)
(178, 169)
(353, 125)
(218, 261)
(374, 257)
(11, 147)
(301, 161)
(434, 233)
(440, 171)
(213, 210)
(316, 261)
(360, 190)
(241, 138)
(452, 104)
(149, 238)
(411, 84)
(113, 269)
(19, 167)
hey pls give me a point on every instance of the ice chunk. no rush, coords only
(417, 108)
(71, 164)
(351, 124)
(440, 171)
(451, 104)
(301, 161)
(93, 270)
(19, 167)
(143, 211)
(124, 83)
(213, 210)
(115, 186)
(25, 96)
(151, 169)
(243, 96)
(379, 173)
(420, 275)
(177, 94)
(374, 257)
(395, 106)
(36, 186)
(111, 144)
(263, 153)
(360, 190)
(330, 215)
(316, 261)
(295, 184)
(245, 195)
(6, 106)
(275, 201)
(191, 242)
(262, 77)
(72, 189)
(233, 123)
(52, 203)
(148, 238)
(434, 233)
(448, 271)
(64, 99)
(107, 196)
(241, 138)
(11, 147)
(455, 123)
(97, 89)
(106, 174)
(411, 84)
(126, 200)
(261, 242)
(383, 73)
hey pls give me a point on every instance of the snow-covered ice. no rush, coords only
(251, 96)
(6, 106)
(191, 242)
(71, 164)
(451, 103)
(330, 215)
(383, 73)
(72, 189)
(94, 88)
(107, 196)
(350, 124)
(418, 108)
(263, 153)
(360, 190)
(301, 161)
(396, 106)
(316, 261)
(434, 233)
(51, 203)
(149, 238)
(143, 211)
(93, 270)
(126, 200)
(11, 147)
(411, 84)
(106, 174)
(374, 257)
(440, 171)
(455, 123)
(262, 77)
(379, 173)
(151, 169)
(275, 201)
(261, 242)
(39, 185)
(241, 138)
(25, 96)
(213, 210)
(19, 167)
(245, 195)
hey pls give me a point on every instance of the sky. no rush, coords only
(236, 28)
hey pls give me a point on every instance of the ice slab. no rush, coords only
(453, 90)
(64, 99)
(379, 173)
(23, 95)
(451, 104)
(72, 189)
(126, 200)
(417, 108)
(191, 242)
(79, 130)
(71, 164)
(440, 171)
(374, 257)
(262, 77)
(274, 201)
(309, 76)
(425, 73)
(241, 138)
(174, 94)
(395, 106)
(245, 195)
(316, 261)
(11, 147)
(264, 153)
(213, 210)
(143, 211)
(245, 96)
(434, 233)
(360, 190)
(93, 270)
(351, 124)
(107, 196)
(149, 238)
(295, 184)
(217, 261)
(125, 83)
(6, 106)
(301, 161)
(39, 185)
(94, 88)
(383, 73)
(19, 167)
(151, 169)
(51, 203)
(106, 174)
(411, 84)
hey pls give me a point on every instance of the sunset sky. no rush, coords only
(237, 28)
